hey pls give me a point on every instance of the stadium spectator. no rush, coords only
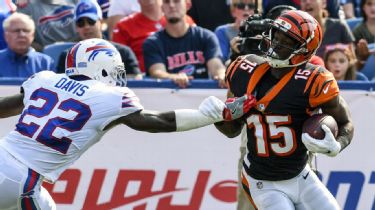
(275, 172)
(240, 10)
(366, 29)
(6, 8)
(364, 33)
(333, 6)
(267, 5)
(119, 9)
(104, 6)
(334, 30)
(341, 61)
(210, 14)
(351, 8)
(134, 29)
(53, 19)
(19, 59)
(88, 19)
(3, 16)
(181, 52)
(70, 113)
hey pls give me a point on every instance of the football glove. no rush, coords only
(328, 146)
(212, 107)
(238, 106)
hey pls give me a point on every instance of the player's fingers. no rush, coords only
(307, 138)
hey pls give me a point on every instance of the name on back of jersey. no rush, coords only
(71, 86)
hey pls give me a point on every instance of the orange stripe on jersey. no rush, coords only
(231, 69)
(275, 90)
(324, 89)
(311, 78)
(258, 74)
(239, 61)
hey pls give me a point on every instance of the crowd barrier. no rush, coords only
(197, 170)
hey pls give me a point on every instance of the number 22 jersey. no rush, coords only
(62, 118)
(274, 127)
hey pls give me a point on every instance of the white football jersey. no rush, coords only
(62, 118)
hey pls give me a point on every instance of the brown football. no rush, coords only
(313, 125)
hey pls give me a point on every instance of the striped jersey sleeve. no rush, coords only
(129, 102)
(322, 87)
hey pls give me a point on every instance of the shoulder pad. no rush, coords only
(321, 87)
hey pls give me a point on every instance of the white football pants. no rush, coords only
(303, 192)
(20, 187)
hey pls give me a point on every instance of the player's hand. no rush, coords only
(212, 107)
(237, 107)
(328, 146)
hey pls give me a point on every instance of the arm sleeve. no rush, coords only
(323, 88)
(237, 78)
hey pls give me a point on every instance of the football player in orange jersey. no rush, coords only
(288, 90)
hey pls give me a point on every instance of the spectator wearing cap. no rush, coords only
(19, 59)
(88, 20)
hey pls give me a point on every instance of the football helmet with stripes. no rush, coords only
(97, 59)
(292, 40)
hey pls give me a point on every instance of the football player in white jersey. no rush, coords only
(65, 114)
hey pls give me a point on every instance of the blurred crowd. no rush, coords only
(179, 40)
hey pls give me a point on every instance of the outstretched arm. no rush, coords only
(11, 105)
(211, 110)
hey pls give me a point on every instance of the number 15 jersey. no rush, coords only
(274, 127)
(62, 118)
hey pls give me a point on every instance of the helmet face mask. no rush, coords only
(292, 39)
(97, 59)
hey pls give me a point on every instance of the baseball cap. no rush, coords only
(88, 8)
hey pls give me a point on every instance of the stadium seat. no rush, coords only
(369, 68)
(54, 50)
(352, 22)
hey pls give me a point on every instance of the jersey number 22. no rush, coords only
(45, 135)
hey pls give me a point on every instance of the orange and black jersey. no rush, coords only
(274, 127)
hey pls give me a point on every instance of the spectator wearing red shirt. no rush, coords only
(135, 28)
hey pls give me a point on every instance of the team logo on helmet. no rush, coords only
(100, 47)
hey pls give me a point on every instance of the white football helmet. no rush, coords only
(97, 59)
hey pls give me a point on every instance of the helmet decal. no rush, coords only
(71, 57)
(97, 59)
(100, 47)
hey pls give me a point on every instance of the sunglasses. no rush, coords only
(82, 22)
(243, 5)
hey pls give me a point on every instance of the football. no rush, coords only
(313, 125)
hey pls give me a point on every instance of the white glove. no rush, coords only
(328, 146)
(212, 107)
